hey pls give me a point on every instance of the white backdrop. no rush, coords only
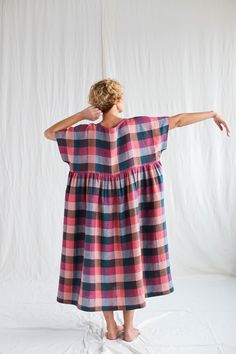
(171, 57)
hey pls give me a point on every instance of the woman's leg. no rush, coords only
(130, 332)
(113, 331)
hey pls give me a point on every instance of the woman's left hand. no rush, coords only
(91, 113)
(219, 121)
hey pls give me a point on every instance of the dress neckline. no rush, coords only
(113, 128)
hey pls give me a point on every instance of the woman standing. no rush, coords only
(115, 247)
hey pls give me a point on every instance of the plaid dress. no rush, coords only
(114, 247)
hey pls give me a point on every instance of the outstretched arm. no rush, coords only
(182, 119)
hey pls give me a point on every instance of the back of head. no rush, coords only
(104, 94)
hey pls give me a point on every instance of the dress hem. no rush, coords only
(115, 308)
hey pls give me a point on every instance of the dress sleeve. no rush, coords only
(65, 142)
(162, 126)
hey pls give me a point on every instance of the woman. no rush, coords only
(115, 249)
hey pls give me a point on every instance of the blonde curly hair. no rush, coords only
(104, 94)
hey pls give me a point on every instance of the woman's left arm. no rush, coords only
(190, 118)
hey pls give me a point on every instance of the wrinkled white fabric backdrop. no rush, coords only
(171, 57)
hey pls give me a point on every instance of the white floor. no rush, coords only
(198, 317)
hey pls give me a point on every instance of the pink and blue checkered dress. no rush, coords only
(114, 249)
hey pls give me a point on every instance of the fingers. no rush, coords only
(96, 110)
(226, 127)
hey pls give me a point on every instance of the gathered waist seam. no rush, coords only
(126, 171)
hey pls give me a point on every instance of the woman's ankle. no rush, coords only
(111, 325)
(128, 328)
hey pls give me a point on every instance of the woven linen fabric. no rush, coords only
(114, 248)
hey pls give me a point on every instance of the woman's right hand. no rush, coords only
(91, 113)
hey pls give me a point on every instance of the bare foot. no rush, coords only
(115, 332)
(131, 334)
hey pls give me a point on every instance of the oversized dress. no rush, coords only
(114, 247)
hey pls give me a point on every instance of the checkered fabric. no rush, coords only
(114, 248)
